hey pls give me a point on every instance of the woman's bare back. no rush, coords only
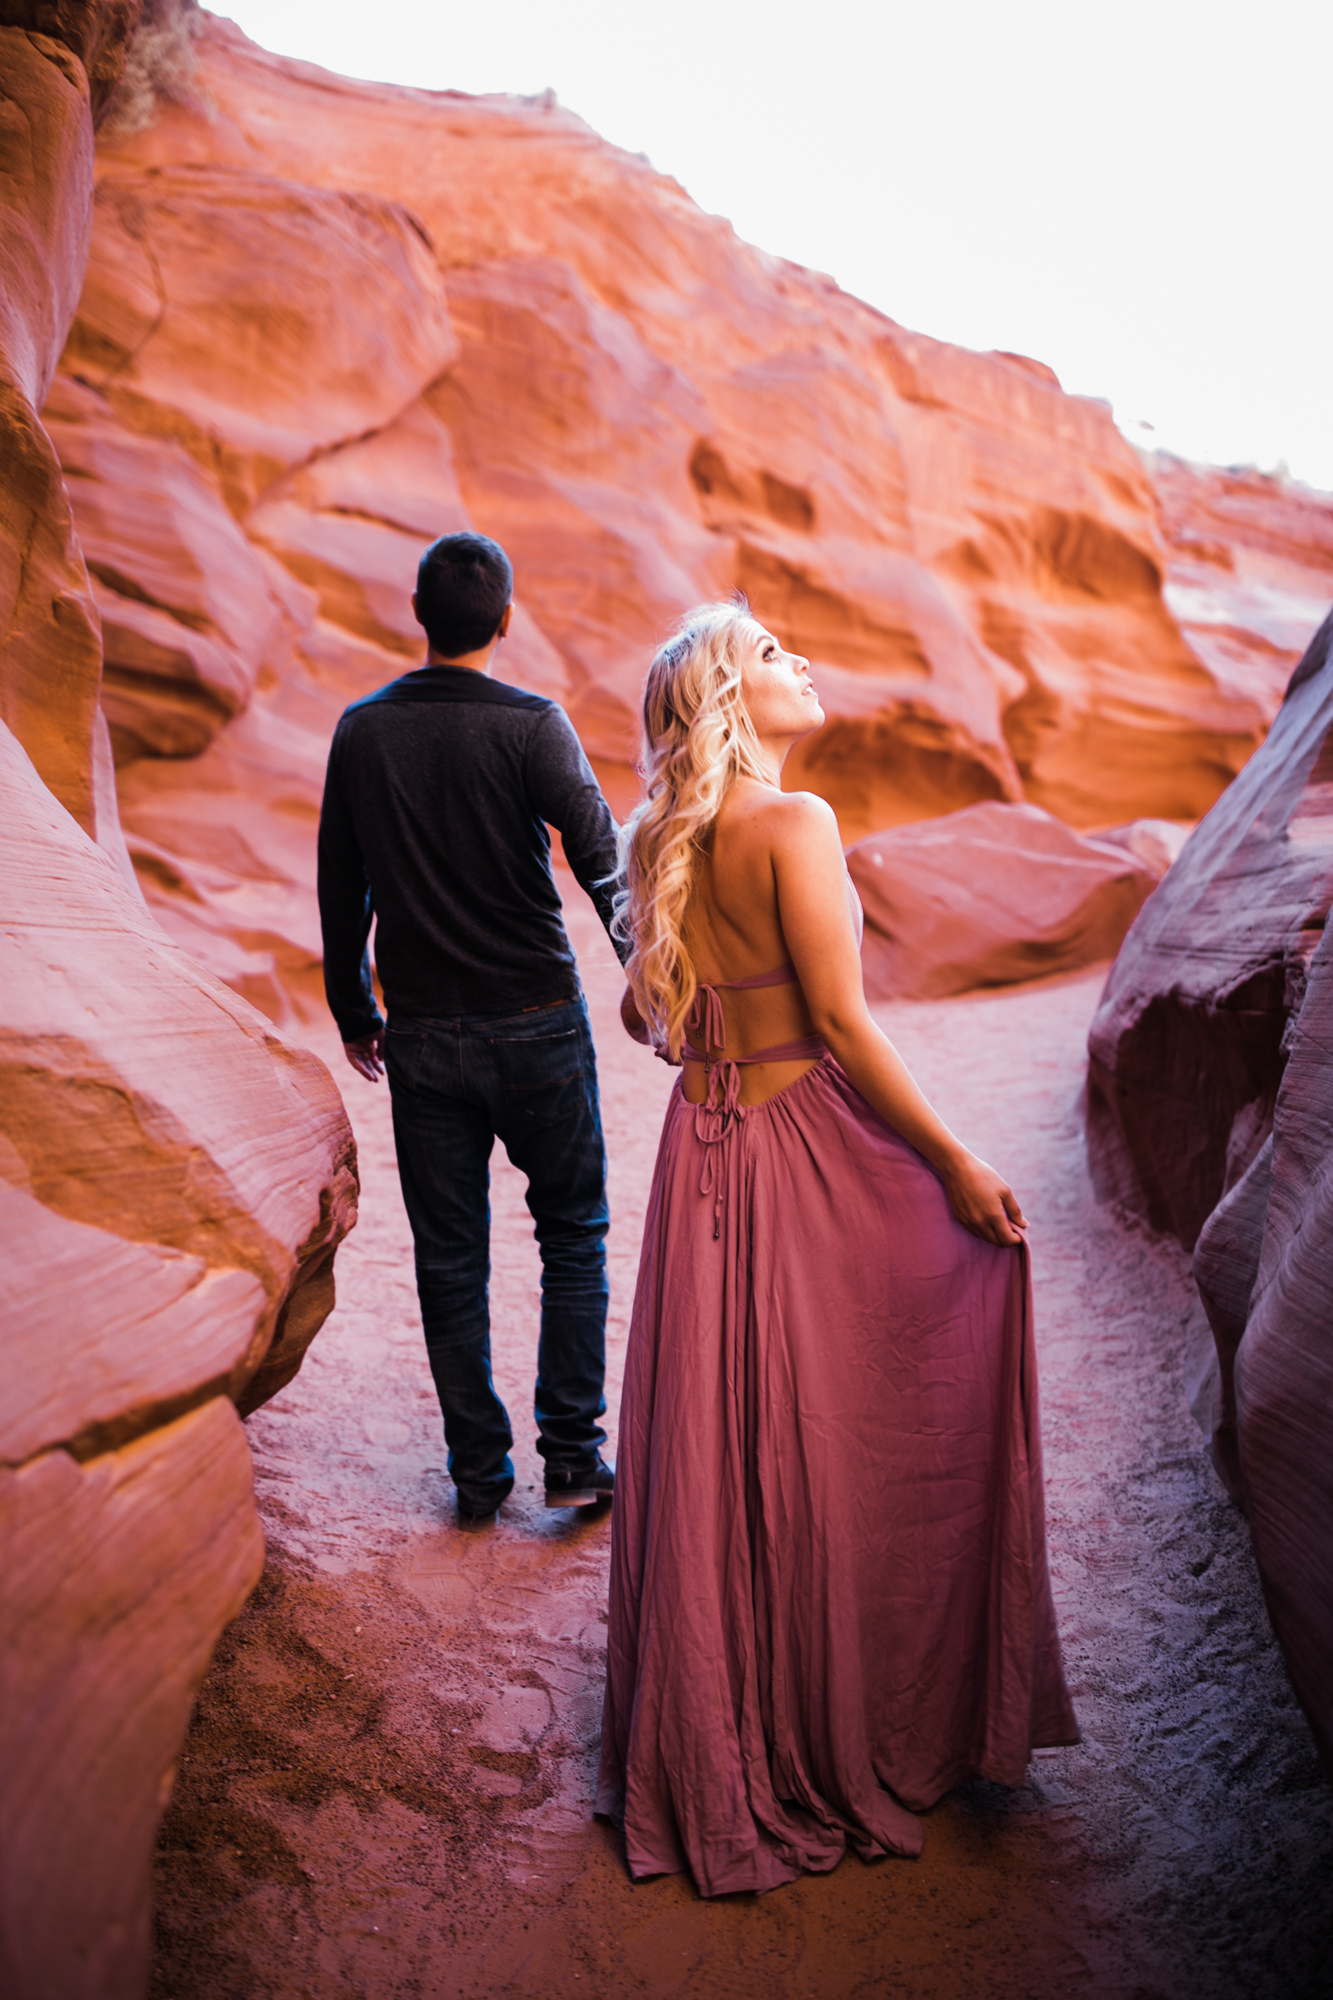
(733, 930)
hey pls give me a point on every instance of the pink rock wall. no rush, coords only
(1249, 569)
(1210, 1111)
(1187, 1049)
(1283, 1368)
(51, 660)
(325, 321)
(174, 1177)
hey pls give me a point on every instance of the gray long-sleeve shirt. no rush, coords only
(439, 791)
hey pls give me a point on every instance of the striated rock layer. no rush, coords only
(1210, 1111)
(1188, 1046)
(325, 321)
(1283, 1368)
(174, 1177)
(1249, 569)
(51, 658)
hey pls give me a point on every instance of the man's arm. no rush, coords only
(567, 795)
(344, 915)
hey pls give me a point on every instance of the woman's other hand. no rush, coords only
(982, 1201)
(634, 1024)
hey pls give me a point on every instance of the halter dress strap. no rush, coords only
(722, 1107)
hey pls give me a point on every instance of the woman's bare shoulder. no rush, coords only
(798, 815)
(759, 820)
(753, 801)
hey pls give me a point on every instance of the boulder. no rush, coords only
(1210, 1106)
(993, 894)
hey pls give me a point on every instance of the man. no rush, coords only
(439, 793)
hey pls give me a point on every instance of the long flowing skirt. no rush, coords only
(829, 1593)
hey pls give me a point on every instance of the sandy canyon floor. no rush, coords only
(386, 1789)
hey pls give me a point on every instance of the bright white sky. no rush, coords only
(1139, 193)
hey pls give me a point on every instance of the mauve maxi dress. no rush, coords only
(829, 1594)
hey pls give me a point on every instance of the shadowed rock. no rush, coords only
(1284, 1364)
(1187, 1049)
(1210, 1112)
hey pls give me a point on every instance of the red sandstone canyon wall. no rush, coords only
(174, 1176)
(1210, 1112)
(307, 325)
(324, 321)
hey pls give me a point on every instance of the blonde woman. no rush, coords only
(829, 1594)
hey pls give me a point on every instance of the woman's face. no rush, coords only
(777, 689)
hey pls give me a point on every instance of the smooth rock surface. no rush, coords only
(1284, 1364)
(143, 1098)
(256, 321)
(114, 1332)
(51, 660)
(173, 1182)
(188, 616)
(1226, 1264)
(991, 895)
(118, 1576)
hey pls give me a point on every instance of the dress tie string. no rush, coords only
(705, 1033)
(707, 1027)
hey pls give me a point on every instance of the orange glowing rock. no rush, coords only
(367, 315)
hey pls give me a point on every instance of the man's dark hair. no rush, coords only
(464, 583)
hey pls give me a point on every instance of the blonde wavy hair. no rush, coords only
(698, 740)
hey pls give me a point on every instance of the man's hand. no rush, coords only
(367, 1055)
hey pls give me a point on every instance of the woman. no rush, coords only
(829, 1594)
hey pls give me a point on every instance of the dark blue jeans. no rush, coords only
(529, 1080)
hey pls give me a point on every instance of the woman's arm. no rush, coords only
(632, 1021)
(810, 877)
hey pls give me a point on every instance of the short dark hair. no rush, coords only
(464, 583)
